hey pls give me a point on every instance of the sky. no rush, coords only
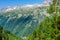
(5, 3)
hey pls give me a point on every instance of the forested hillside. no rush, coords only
(34, 22)
(22, 21)
(49, 29)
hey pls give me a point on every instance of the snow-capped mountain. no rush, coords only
(22, 20)
(9, 8)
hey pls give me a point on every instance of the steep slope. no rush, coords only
(24, 20)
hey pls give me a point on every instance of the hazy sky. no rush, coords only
(5, 3)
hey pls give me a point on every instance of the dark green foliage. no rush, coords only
(49, 29)
(51, 9)
(54, 7)
(1, 33)
(58, 37)
(7, 35)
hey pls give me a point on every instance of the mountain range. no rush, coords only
(21, 21)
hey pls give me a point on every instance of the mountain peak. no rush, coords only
(9, 8)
